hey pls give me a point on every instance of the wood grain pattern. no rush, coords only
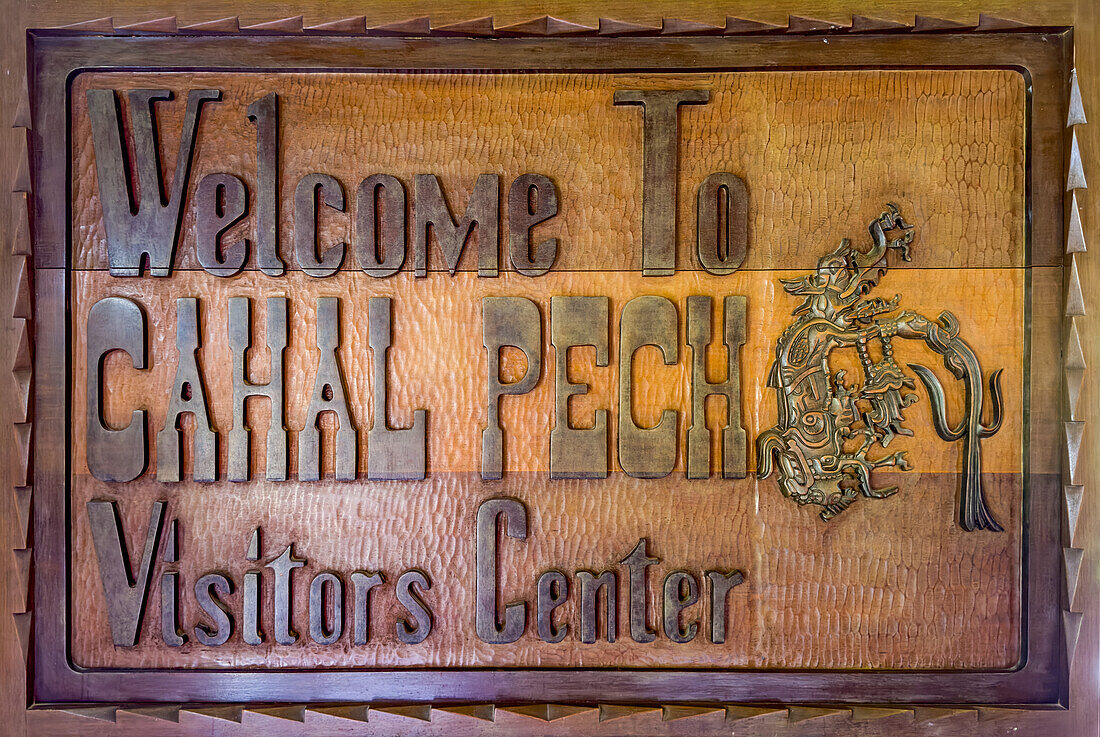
(443, 312)
(1080, 720)
(892, 584)
(821, 153)
(983, 684)
(805, 140)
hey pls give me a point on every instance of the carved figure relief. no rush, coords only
(827, 426)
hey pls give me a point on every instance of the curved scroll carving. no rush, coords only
(827, 426)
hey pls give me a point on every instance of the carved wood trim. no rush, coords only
(548, 26)
(544, 27)
(1074, 368)
(22, 368)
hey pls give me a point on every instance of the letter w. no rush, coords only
(152, 227)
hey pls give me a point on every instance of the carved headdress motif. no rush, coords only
(826, 426)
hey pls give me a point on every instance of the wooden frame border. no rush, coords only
(1042, 56)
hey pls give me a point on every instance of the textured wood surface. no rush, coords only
(888, 585)
(821, 153)
(825, 150)
(1080, 720)
(445, 313)
(720, 523)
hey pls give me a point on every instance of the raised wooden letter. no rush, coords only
(114, 323)
(240, 338)
(265, 114)
(380, 216)
(187, 395)
(722, 234)
(483, 210)
(734, 463)
(311, 189)
(220, 202)
(508, 321)
(391, 454)
(591, 585)
(125, 591)
(646, 453)
(152, 228)
(577, 453)
(328, 396)
(487, 620)
(660, 142)
(533, 199)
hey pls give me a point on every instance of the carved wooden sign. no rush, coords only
(637, 370)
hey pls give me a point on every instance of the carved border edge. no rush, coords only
(539, 712)
(544, 27)
(548, 26)
(1074, 368)
(22, 367)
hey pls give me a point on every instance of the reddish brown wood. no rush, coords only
(1035, 677)
(1080, 721)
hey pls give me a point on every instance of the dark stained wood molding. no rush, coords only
(57, 682)
(1074, 369)
(550, 26)
(22, 368)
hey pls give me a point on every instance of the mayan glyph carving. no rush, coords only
(828, 426)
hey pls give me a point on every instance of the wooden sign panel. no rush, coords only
(451, 370)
